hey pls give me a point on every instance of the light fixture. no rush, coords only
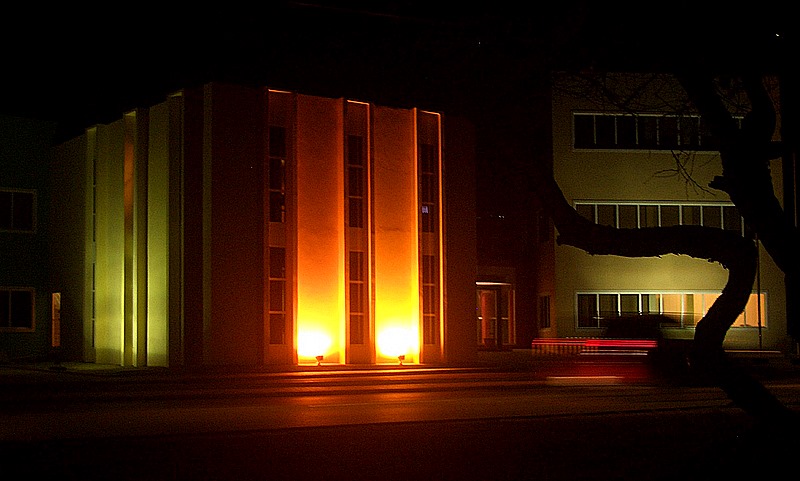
(401, 358)
(319, 360)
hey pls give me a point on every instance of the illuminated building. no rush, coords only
(613, 166)
(231, 225)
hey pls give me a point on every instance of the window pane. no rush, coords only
(628, 217)
(355, 209)
(607, 215)
(21, 309)
(586, 210)
(5, 210)
(690, 214)
(276, 200)
(355, 150)
(753, 309)
(651, 303)
(668, 132)
(669, 215)
(608, 306)
(604, 125)
(4, 309)
(712, 216)
(277, 327)
(356, 329)
(689, 132)
(648, 132)
(672, 305)
(276, 174)
(276, 299)
(277, 262)
(629, 303)
(23, 211)
(648, 216)
(626, 131)
(355, 182)
(587, 310)
(584, 131)
(544, 311)
(707, 141)
(731, 218)
(356, 266)
(277, 142)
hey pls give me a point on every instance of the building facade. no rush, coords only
(231, 225)
(646, 164)
(25, 305)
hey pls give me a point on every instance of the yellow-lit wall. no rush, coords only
(158, 237)
(109, 253)
(620, 175)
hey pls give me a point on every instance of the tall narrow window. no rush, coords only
(17, 210)
(356, 180)
(429, 197)
(358, 303)
(430, 301)
(277, 174)
(544, 312)
(277, 295)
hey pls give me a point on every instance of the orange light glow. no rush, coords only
(311, 344)
(394, 342)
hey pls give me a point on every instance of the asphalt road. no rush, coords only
(468, 424)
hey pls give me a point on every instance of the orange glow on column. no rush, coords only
(397, 308)
(320, 231)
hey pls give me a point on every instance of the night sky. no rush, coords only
(82, 65)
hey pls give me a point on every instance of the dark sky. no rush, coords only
(79, 64)
(82, 64)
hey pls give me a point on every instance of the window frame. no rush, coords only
(6, 303)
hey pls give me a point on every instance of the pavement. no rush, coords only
(764, 364)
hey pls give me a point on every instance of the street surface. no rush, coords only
(395, 424)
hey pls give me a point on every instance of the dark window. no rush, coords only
(648, 216)
(648, 132)
(609, 306)
(356, 181)
(731, 218)
(607, 215)
(16, 309)
(690, 132)
(428, 187)
(17, 211)
(277, 295)
(586, 211)
(626, 132)
(690, 215)
(668, 132)
(670, 215)
(606, 131)
(587, 310)
(358, 305)
(430, 300)
(277, 174)
(628, 217)
(584, 131)
(712, 216)
(544, 312)
(629, 304)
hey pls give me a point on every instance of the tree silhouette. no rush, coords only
(746, 150)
